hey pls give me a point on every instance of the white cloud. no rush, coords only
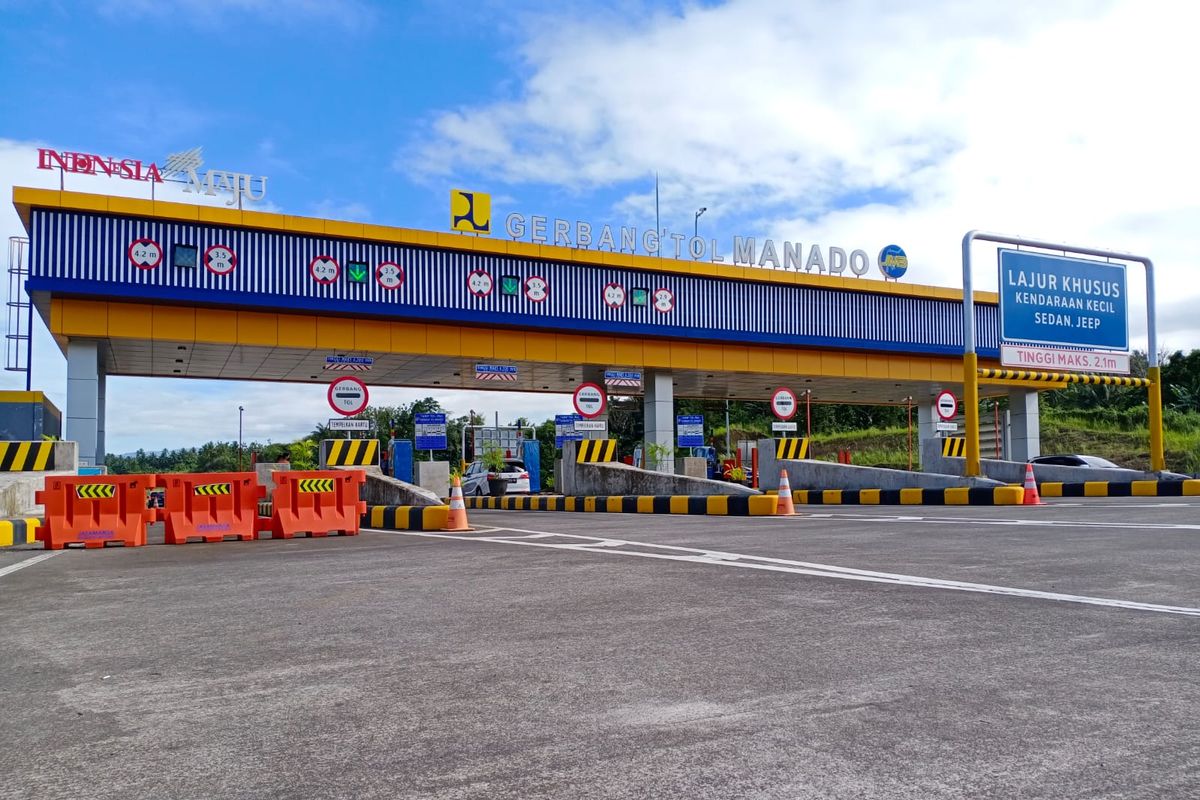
(1064, 121)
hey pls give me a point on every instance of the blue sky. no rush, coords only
(854, 123)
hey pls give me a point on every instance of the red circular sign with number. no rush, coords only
(664, 300)
(389, 275)
(324, 269)
(220, 260)
(614, 295)
(479, 283)
(145, 253)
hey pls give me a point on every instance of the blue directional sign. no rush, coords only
(430, 431)
(690, 430)
(1054, 300)
(564, 429)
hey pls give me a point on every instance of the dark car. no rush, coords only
(1076, 461)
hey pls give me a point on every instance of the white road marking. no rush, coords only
(589, 544)
(29, 562)
(1029, 521)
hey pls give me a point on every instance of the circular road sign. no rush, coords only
(536, 288)
(145, 253)
(479, 283)
(664, 300)
(219, 260)
(389, 275)
(946, 405)
(348, 396)
(783, 403)
(324, 269)
(589, 400)
(614, 295)
(893, 262)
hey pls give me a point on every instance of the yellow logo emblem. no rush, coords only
(470, 212)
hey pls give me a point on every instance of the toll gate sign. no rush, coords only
(348, 396)
(430, 431)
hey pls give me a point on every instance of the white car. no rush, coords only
(475, 479)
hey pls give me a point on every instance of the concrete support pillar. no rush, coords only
(659, 414)
(1025, 425)
(926, 424)
(85, 401)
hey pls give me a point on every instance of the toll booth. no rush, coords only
(28, 417)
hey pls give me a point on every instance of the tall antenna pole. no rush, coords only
(657, 223)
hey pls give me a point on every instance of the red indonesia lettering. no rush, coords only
(130, 169)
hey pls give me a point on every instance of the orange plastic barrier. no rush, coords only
(95, 510)
(317, 502)
(211, 506)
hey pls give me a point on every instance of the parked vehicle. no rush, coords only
(475, 479)
(1076, 461)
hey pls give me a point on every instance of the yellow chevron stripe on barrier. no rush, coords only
(95, 491)
(791, 449)
(596, 451)
(213, 489)
(26, 456)
(954, 447)
(316, 485)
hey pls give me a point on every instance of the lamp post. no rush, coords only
(241, 410)
(700, 213)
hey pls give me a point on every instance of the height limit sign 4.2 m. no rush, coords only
(348, 396)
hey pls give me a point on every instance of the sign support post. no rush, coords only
(971, 360)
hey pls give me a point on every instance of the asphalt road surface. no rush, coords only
(849, 652)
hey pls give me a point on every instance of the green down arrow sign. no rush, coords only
(357, 271)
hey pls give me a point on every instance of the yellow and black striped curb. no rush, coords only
(791, 449)
(958, 496)
(715, 505)
(95, 491)
(406, 518)
(1121, 489)
(315, 485)
(595, 451)
(954, 447)
(1060, 377)
(26, 456)
(19, 531)
(213, 489)
(350, 452)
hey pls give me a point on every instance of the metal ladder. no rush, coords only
(18, 339)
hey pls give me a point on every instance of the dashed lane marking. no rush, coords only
(608, 546)
(29, 562)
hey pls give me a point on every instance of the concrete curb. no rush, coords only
(1121, 489)
(406, 518)
(712, 505)
(961, 496)
(19, 531)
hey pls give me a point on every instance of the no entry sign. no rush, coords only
(348, 396)
(783, 403)
(946, 405)
(589, 400)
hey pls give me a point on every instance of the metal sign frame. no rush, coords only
(970, 399)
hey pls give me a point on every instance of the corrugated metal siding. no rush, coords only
(87, 254)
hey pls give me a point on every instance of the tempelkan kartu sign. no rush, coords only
(1070, 302)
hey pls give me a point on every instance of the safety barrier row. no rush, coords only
(406, 518)
(716, 505)
(99, 510)
(1189, 488)
(958, 496)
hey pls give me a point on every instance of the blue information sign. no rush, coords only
(431, 431)
(1054, 300)
(690, 430)
(564, 429)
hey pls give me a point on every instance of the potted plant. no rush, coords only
(493, 459)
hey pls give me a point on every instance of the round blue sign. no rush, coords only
(892, 262)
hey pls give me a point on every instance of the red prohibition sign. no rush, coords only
(784, 392)
(614, 295)
(347, 411)
(139, 251)
(392, 281)
(208, 260)
(480, 283)
(670, 298)
(596, 406)
(324, 269)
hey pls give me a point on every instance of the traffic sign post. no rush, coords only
(430, 431)
(348, 396)
(783, 403)
(590, 400)
(689, 430)
(971, 358)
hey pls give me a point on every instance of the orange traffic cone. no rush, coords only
(456, 520)
(785, 507)
(1031, 493)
